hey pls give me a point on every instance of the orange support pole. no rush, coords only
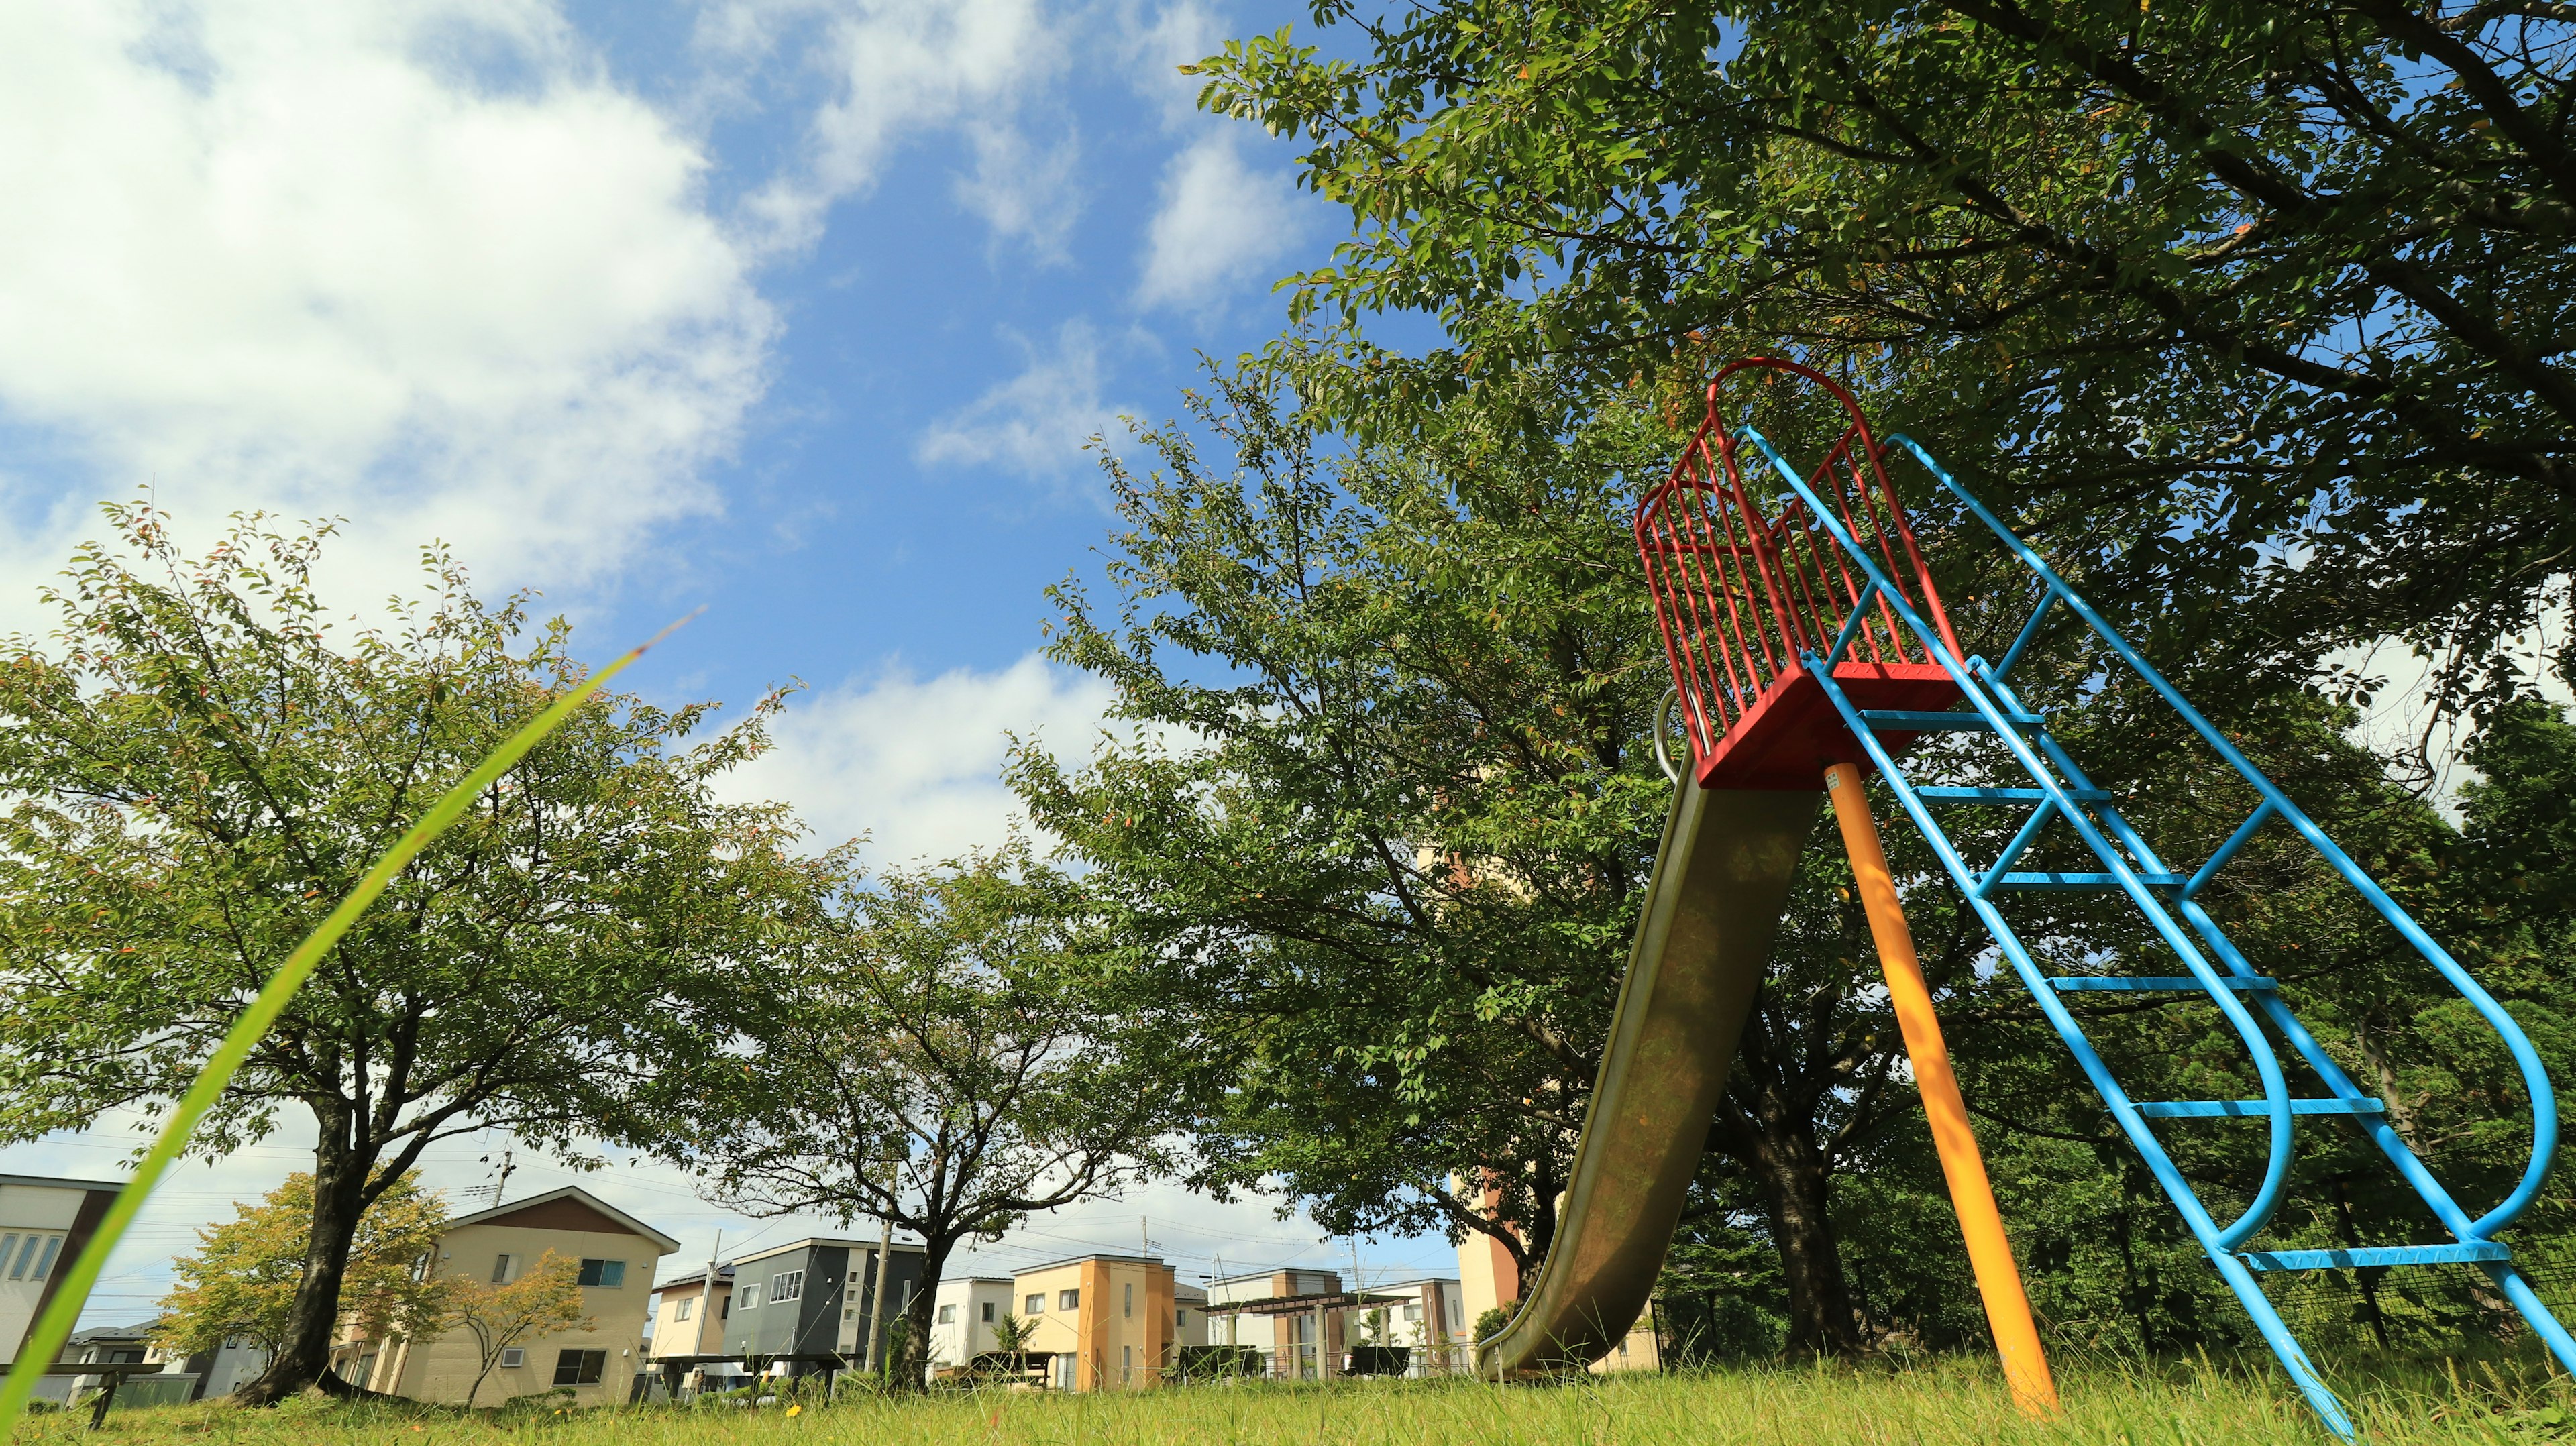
(1989, 1253)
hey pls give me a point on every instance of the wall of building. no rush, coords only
(962, 1319)
(677, 1319)
(1118, 1329)
(444, 1369)
(43, 1225)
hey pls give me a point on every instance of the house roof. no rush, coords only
(827, 1242)
(49, 1182)
(96, 1334)
(724, 1275)
(566, 1203)
(1425, 1280)
(1097, 1255)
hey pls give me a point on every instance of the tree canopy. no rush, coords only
(204, 764)
(2195, 289)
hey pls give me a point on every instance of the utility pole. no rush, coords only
(876, 1312)
(707, 1301)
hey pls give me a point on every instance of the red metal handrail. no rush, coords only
(1740, 595)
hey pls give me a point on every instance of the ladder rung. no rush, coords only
(2007, 795)
(2157, 983)
(2052, 879)
(1904, 720)
(2373, 1255)
(2209, 1109)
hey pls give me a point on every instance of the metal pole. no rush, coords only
(874, 1318)
(707, 1304)
(1989, 1252)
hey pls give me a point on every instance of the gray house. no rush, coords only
(807, 1299)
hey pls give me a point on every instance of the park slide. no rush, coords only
(1703, 943)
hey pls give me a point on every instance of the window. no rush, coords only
(513, 1357)
(724, 1307)
(1034, 1305)
(1413, 1310)
(1457, 1314)
(948, 1315)
(1127, 1360)
(1180, 1315)
(501, 1270)
(606, 1274)
(1129, 1307)
(988, 1312)
(681, 1311)
(580, 1368)
(786, 1286)
(751, 1297)
(1068, 1300)
(33, 1258)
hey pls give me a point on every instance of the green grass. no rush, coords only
(1954, 1400)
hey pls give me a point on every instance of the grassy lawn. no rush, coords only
(1961, 1401)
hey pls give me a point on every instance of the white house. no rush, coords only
(963, 1316)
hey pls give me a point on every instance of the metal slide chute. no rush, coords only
(1703, 942)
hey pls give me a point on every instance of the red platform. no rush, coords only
(1791, 733)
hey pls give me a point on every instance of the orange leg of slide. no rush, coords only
(1989, 1253)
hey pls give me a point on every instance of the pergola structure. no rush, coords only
(1320, 1304)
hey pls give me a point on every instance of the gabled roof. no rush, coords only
(572, 1195)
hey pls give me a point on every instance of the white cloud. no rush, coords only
(916, 764)
(1221, 224)
(1037, 423)
(308, 258)
(898, 68)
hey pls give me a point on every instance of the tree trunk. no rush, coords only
(340, 1174)
(911, 1370)
(1778, 1146)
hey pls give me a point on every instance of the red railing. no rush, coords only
(1740, 596)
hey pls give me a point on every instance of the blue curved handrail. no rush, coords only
(2535, 1077)
(2267, 1064)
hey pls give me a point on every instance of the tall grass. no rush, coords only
(1934, 1403)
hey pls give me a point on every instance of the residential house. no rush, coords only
(1268, 1310)
(617, 1254)
(44, 1223)
(1489, 1277)
(1189, 1315)
(1429, 1324)
(963, 1317)
(686, 1320)
(810, 1300)
(1105, 1322)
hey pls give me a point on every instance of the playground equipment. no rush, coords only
(1808, 644)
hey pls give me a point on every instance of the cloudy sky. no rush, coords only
(800, 310)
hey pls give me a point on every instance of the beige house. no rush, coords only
(685, 1322)
(1107, 1322)
(617, 1253)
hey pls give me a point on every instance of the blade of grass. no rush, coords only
(55, 1327)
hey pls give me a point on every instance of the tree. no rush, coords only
(934, 1054)
(1391, 875)
(2189, 287)
(203, 767)
(545, 1298)
(243, 1280)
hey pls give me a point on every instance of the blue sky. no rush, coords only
(800, 310)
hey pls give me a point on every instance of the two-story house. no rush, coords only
(1106, 1322)
(616, 1255)
(963, 1317)
(811, 1299)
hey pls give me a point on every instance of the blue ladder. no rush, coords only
(2167, 897)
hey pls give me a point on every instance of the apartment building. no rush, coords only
(44, 1223)
(1105, 1322)
(963, 1317)
(809, 1301)
(618, 1255)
